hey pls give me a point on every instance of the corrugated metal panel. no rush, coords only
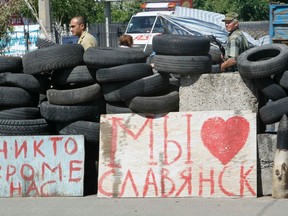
(207, 16)
(278, 29)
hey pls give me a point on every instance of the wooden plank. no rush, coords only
(183, 154)
(41, 166)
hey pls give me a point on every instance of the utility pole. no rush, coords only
(107, 21)
(44, 7)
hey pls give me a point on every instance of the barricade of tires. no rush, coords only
(182, 54)
(128, 83)
(19, 93)
(59, 89)
(267, 67)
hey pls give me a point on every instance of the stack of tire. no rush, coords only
(129, 84)
(74, 102)
(19, 93)
(182, 54)
(267, 67)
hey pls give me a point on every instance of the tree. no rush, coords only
(248, 10)
(122, 11)
(7, 9)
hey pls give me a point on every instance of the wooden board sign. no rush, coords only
(183, 154)
(41, 166)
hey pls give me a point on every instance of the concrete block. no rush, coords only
(223, 91)
(266, 151)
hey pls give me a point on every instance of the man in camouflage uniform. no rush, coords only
(237, 43)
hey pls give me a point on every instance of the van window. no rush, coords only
(144, 25)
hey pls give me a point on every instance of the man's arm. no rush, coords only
(228, 63)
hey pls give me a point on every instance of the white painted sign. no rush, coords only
(183, 154)
(16, 45)
(41, 166)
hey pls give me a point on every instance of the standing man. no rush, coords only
(237, 43)
(78, 28)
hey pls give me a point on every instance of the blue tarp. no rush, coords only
(200, 22)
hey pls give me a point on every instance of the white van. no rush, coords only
(140, 24)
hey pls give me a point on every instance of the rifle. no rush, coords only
(222, 49)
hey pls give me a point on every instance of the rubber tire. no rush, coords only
(269, 88)
(215, 55)
(273, 111)
(155, 104)
(20, 113)
(180, 45)
(77, 75)
(17, 97)
(183, 64)
(263, 61)
(24, 127)
(60, 113)
(118, 107)
(284, 80)
(44, 43)
(74, 96)
(35, 83)
(103, 57)
(53, 58)
(11, 64)
(125, 90)
(90, 130)
(125, 72)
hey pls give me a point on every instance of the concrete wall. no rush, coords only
(229, 91)
(223, 91)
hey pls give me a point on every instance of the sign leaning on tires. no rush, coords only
(183, 154)
(41, 166)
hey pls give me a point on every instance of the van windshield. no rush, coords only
(144, 24)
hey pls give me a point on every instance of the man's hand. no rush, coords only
(228, 63)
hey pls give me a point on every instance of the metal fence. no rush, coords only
(99, 31)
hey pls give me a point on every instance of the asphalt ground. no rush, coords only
(91, 205)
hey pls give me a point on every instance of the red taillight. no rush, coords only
(172, 5)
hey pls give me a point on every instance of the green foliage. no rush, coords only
(248, 10)
(63, 10)
(122, 11)
(13, 7)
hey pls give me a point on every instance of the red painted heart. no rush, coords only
(225, 139)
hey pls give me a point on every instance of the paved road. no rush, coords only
(91, 205)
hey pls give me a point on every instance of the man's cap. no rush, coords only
(230, 16)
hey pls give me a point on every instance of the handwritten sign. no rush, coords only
(183, 154)
(41, 166)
